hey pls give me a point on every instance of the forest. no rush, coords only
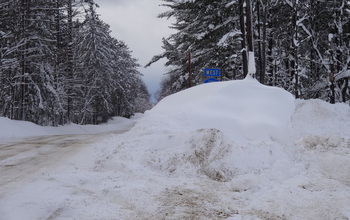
(302, 46)
(59, 64)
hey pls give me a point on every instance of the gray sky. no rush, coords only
(135, 22)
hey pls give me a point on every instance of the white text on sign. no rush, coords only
(211, 72)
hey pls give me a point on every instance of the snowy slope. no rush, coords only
(232, 150)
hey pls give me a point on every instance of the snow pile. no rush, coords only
(240, 109)
(219, 130)
(232, 150)
(321, 118)
(271, 156)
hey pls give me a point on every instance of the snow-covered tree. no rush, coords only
(26, 60)
(56, 66)
(142, 102)
(210, 30)
(299, 44)
(106, 79)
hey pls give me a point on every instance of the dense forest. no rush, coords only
(59, 64)
(302, 46)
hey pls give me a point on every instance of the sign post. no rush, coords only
(189, 69)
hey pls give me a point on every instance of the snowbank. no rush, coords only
(275, 157)
(219, 130)
(242, 109)
(19, 129)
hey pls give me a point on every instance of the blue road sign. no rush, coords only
(211, 80)
(212, 72)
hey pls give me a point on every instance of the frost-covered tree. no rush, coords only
(322, 50)
(210, 31)
(142, 102)
(301, 45)
(106, 80)
(26, 60)
(8, 56)
(57, 67)
(340, 47)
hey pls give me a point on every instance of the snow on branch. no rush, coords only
(342, 75)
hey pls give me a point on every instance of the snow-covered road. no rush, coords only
(21, 160)
(27, 160)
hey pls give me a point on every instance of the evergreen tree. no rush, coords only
(106, 77)
(209, 30)
(302, 45)
(142, 102)
(28, 47)
(56, 69)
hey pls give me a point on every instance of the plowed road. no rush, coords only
(21, 159)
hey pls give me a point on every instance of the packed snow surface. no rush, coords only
(233, 150)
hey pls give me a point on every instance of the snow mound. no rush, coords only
(220, 130)
(242, 110)
(210, 153)
(318, 117)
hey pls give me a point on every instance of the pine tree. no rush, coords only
(209, 30)
(8, 55)
(142, 102)
(27, 45)
(106, 78)
(41, 79)
(300, 44)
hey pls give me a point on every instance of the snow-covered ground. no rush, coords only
(18, 129)
(233, 150)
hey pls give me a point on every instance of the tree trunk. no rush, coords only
(243, 42)
(70, 60)
(264, 41)
(260, 55)
(25, 10)
(57, 49)
(250, 41)
(189, 69)
(294, 51)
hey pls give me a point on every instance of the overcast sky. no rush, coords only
(135, 22)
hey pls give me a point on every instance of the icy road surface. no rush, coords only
(24, 161)
(21, 160)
